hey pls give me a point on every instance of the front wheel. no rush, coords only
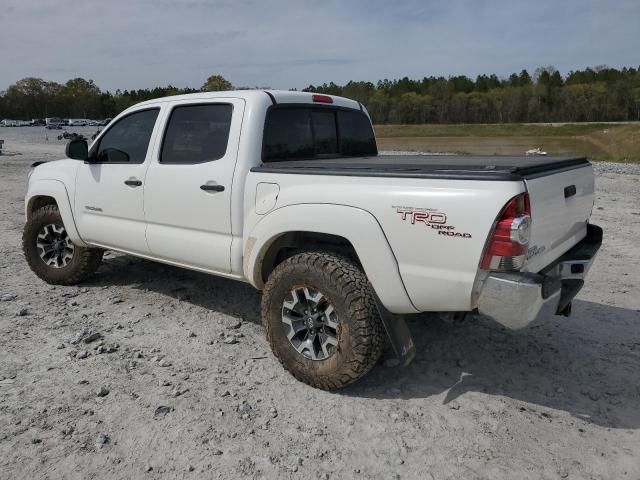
(321, 319)
(51, 254)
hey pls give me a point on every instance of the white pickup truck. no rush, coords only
(286, 191)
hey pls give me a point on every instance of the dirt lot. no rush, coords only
(181, 382)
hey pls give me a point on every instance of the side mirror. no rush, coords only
(77, 149)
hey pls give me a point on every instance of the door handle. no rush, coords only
(212, 188)
(133, 183)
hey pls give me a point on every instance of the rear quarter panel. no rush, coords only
(438, 269)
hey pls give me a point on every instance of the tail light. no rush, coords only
(508, 242)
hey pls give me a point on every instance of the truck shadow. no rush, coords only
(587, 365)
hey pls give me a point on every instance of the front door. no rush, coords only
(109, 190)
(187, 194)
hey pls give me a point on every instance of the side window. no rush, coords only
(127, 140)
(197, 134)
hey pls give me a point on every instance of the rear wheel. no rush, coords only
(321, 319)
(50, 252)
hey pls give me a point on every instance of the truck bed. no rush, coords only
(463, 167)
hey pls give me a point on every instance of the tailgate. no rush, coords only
(561, 204)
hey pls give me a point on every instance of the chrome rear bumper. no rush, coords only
(517, 299)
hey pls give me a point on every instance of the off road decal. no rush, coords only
(430, 218)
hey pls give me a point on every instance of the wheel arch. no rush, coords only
(53, 192)
(350, 231)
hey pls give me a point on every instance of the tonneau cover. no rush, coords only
(489, 167)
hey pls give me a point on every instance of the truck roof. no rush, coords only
(277, 96)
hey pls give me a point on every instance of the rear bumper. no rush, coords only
(517, 299)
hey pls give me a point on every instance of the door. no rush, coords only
(188, 187)
(109, 190)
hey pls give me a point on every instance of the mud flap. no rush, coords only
(398, 333)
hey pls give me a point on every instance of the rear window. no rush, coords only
(299, 133)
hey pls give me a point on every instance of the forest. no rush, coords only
(598, 94)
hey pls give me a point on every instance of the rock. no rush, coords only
(92, 337)
(234, 323)
(8, 297)
(226, 393)
(79, 336)
(60, 346)
(116, 301)
(148, 468)
(244, 407)
(102, 439)
(35, 441)
(103, 392)
(22, 312)
(190, 468)
(164, 363)
(82, 354)
(164, 383)
(230, 340)
(217, 452)
(162, 411)
(273, 412)
(192, 335)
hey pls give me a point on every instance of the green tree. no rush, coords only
(216, 83)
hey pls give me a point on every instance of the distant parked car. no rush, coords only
(54, 122)
(78, 122)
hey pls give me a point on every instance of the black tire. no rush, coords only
(360, 332)
(83, 263)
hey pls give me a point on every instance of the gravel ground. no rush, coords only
(149, 371)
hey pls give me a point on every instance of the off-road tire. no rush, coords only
(84, 263)
(361, 337)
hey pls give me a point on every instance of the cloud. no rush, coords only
(288, 43)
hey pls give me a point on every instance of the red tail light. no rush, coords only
(509, 240)
(322, 98)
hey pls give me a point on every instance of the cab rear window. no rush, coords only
(302, 133)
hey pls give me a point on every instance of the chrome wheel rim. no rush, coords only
(54, 246)
(310, 323)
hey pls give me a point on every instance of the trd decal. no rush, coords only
(430, 218)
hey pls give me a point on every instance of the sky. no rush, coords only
(293, 43)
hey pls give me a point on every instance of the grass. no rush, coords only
(598, 141)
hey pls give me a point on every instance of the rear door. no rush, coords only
(187, 196)
(561, 204)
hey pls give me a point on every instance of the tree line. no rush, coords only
(589, 95)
